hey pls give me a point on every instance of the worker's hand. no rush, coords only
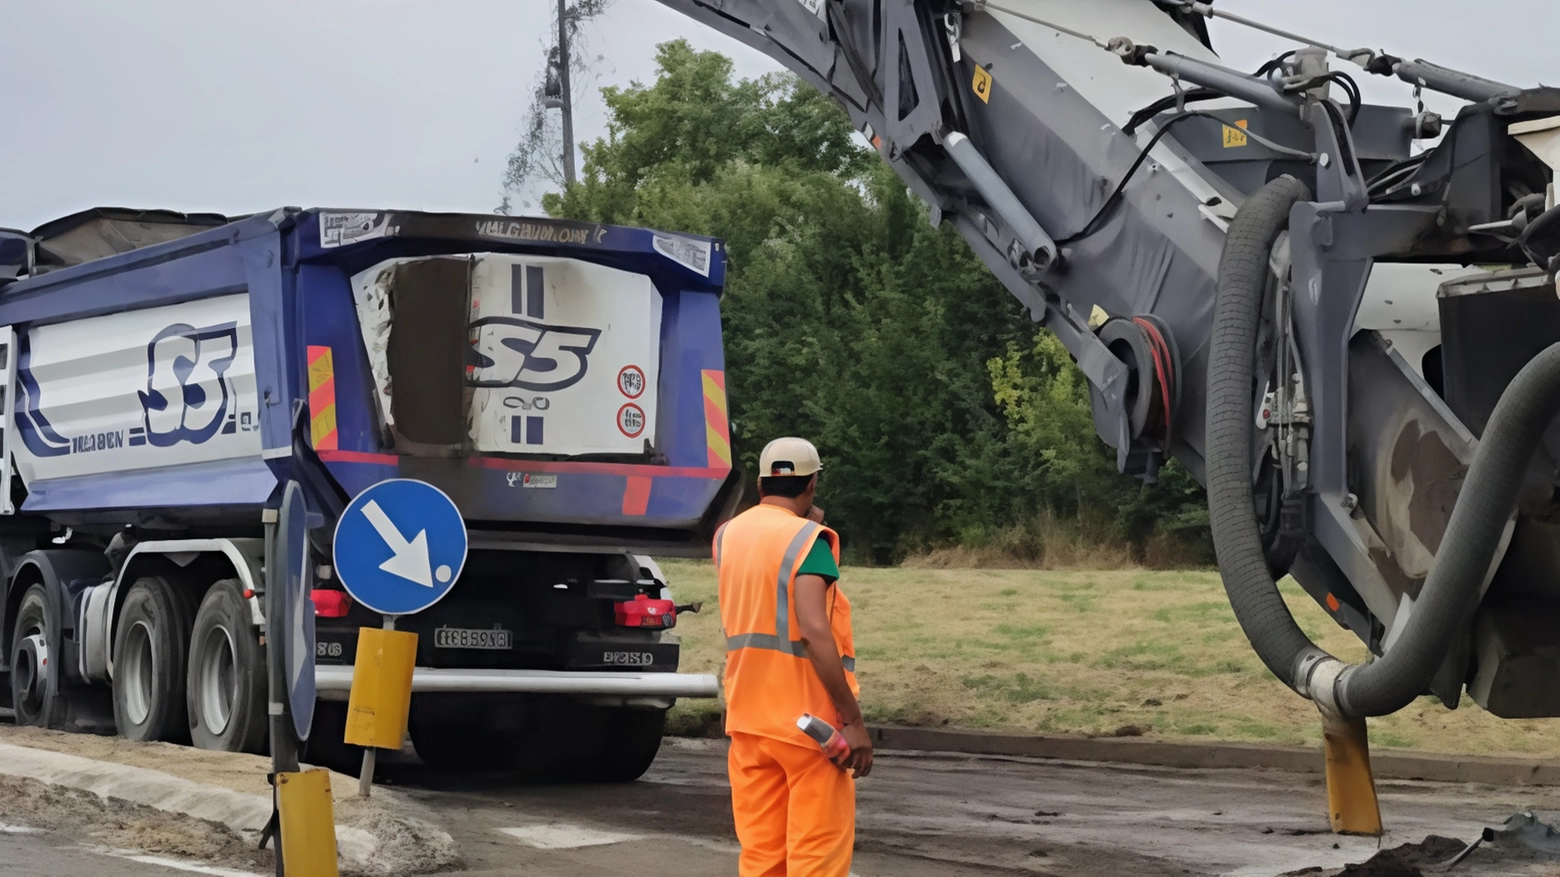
(859, 759)
(815, 515)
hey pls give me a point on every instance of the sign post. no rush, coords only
(400, 546)
(302, 823)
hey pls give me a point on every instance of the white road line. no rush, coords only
(176, 864)
(18, 829)
(560, 836)
(719, 846)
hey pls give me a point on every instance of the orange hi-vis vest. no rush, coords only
(770, 682)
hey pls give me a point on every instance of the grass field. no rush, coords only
(1092, 653)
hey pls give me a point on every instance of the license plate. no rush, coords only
(496, 639)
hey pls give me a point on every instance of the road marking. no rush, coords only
(18, 829)
(719, 846)
(559, 836)
(176, 864)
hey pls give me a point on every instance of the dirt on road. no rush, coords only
(122, 825)
(386, 834)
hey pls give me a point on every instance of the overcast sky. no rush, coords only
(246, 105)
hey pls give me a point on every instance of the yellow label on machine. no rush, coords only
(1235, 136)
(381, 688)
(982, 84)
(308, 823)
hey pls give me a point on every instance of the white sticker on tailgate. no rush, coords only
(691, 254)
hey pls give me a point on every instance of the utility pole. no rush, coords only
(568, 99)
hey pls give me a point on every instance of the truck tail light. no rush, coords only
(645, 612)
(331, 604)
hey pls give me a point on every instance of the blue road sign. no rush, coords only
(297, 650)
(400, 546)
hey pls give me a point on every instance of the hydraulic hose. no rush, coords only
(1450, 593)
(1484, 505)
(1237, 540)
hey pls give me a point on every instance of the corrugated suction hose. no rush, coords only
(1472, 537)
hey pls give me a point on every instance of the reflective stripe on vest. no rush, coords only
(770, 642)
(780, 640)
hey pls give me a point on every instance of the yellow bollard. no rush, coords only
(308, 823)
(381, 688)
(381, 694)
(1351, 788)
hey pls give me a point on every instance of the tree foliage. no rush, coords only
(944, 415)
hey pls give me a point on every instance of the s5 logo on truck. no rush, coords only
(516, 352)
(187, 394)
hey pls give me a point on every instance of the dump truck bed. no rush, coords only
(563, 382)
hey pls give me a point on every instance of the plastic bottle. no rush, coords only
(825, 735)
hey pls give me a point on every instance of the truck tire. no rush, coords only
(629, 743)
(327, 746)
(226, 688)
(33, 681)
(151, 651)
(581, 743)
(460, 743)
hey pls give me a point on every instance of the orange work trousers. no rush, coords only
(795, 811)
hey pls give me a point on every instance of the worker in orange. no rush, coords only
(789, 652)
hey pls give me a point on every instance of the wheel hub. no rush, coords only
(32, 671)
(138, 667)
(217, 679)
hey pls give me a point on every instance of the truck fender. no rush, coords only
(65, 574)
(240, 558)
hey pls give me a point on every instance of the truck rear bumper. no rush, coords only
(334, 682)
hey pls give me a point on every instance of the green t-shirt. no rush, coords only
(820, 562)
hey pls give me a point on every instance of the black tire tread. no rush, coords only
(44, 717)
(246, 729)
(169, 721)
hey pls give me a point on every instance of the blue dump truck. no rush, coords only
(164, 375)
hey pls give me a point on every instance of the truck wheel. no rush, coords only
(32, 669)
(226, 690)
(327, 746)
(580, 743)
(456, 746)
(150, 654)
(630, 741)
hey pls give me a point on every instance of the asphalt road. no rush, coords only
(919, 816)
(924, 815)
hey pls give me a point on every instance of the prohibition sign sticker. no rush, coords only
(631, 420)
(631, 381)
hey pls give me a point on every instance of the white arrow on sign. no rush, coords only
(409, 560)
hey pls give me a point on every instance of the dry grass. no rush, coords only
(1048, 542)
(1086, 652)
(1065, 556)
(1043, 542)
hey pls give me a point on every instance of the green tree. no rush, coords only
(848, 317)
